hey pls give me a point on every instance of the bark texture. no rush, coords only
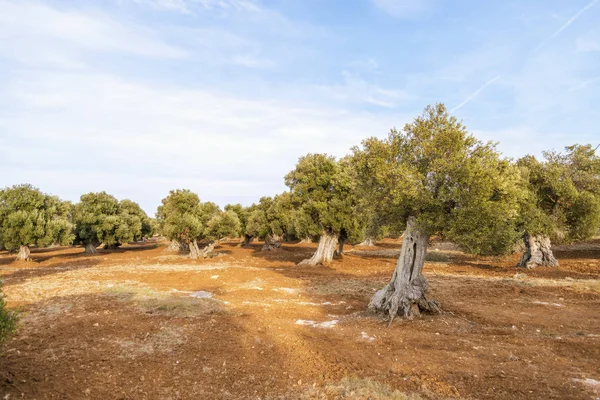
(23, 254)
(194, 250)
(368, 242)
(90, 248)
(538, 252)
(209, 251)
(340, 251)
(272, 243)
(406, 294)
(245, 242)
(325, 252)
(177, 246)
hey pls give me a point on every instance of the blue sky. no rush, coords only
(137, 97)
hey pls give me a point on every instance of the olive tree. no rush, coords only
(434, 178)
(134, 216)
(101, 219)
(270, 220)
(322, 190)
(184, 219)
(242, 213)
(29, 217)
(222, 225)
(562, 204)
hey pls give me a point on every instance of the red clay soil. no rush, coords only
(122, 325)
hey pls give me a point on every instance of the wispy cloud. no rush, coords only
(585, 84)
(29, 29)
(475, 93)
(188, 6)
(569, 22)
(403, 8)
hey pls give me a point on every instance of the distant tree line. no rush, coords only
(431, 178)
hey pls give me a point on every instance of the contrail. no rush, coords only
(475, 93)
(569, 22)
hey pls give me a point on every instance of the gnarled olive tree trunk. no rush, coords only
(272, 242)
(23, 254)
(90, 248)
(324, 254)
(538, 252)
(368, 242)
(194, 250)
(406, 294)
(177, 246)
(245, 242)
(209, 250)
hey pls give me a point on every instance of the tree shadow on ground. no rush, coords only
(123, 351)
(21, 274)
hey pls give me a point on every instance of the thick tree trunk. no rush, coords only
(246, 241)
(90, 248)
(23, 254)
(272, 243)
(324, 254)
(538, 252)
(177, 246)
(406, 294)
(340, 251)
(194, 250)
(209, 251)
(368, 242)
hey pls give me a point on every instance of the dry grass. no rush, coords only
(169, 304)
(437, 256)
(577, 285)
(165, 340)
(357, 389)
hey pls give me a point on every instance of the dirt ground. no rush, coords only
(139, 323)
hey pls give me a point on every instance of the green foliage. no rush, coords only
(224, 224)
(183, 217)
(271, 216)
(242, 213)
(323, 193)
(563, 194)
(101, 218)
(135, 217)
(29, 217)
(456, 186)
(8, 319)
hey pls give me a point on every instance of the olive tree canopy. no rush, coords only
(101, 219)
(437, 179)
(562, 204)
(29, 217)
(184, 218)
(323, 191)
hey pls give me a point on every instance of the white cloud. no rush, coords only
(179, 137)
(190, 6)
(29, 29)
(404, 8)
(354, 89)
